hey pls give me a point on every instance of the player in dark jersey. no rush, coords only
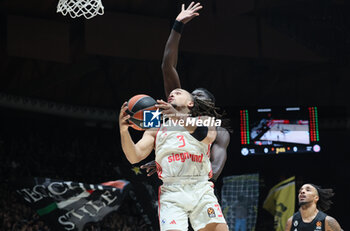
(313, 200)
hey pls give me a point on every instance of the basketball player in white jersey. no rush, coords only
(183, 164)
(172, 81)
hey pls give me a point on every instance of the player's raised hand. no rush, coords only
(123, 118)
(167, 108)
(186, 15)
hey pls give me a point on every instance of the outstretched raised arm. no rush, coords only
(169, 62)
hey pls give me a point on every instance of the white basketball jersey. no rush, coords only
(179, 154)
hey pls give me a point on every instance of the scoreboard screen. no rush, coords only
(279, 130)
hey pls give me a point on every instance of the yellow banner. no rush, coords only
(280, 202)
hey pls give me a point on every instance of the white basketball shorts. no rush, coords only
(196, 201)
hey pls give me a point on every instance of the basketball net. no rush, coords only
(77, 8)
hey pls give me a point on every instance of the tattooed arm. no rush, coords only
(332, 224)
(289, 224)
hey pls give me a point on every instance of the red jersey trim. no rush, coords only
(159, 170)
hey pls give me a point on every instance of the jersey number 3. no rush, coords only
(181, 138)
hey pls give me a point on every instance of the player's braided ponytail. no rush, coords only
(324, 203)
(208, 108)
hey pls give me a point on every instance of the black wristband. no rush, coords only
(200, 133)
(178, 26)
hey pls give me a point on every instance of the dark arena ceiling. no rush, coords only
(251, 52)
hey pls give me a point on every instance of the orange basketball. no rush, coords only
(136, 106)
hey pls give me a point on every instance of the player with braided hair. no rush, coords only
(313, 201)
